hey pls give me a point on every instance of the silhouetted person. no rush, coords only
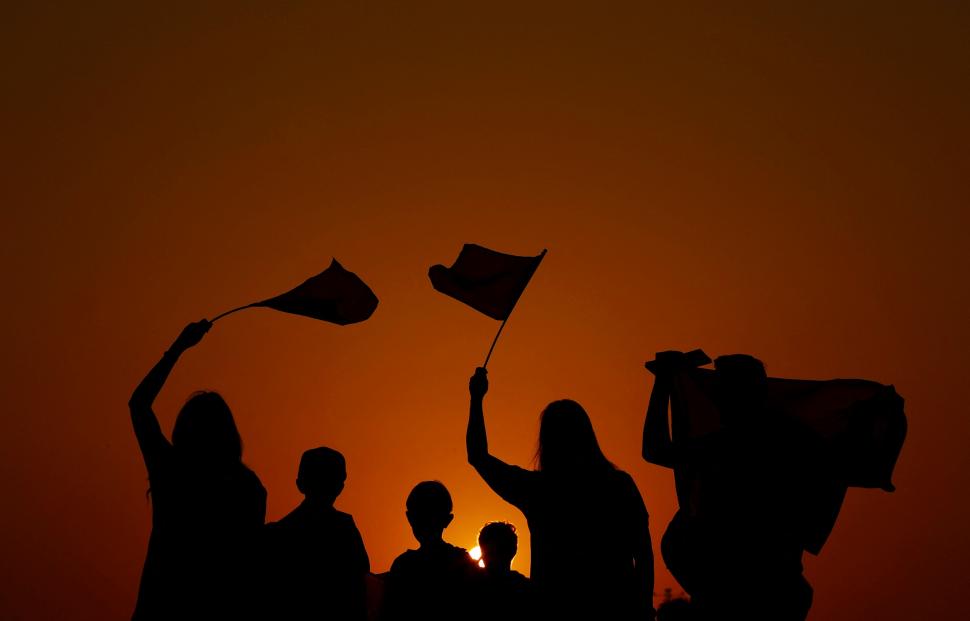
(678, 609)
(207, 506)
(741, 495)
(316, 564)
(438, 581)
(591, 551)
(505, 593)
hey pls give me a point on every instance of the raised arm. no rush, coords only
(657, 446)
(476, 440)
(151, 440)
(510, 482)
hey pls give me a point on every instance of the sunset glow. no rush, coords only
(787, 180)
(476, 554)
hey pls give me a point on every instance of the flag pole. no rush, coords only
(494, 341)
(501, 327)
(229, 312)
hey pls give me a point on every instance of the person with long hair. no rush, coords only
(207, 506)
(591, 552)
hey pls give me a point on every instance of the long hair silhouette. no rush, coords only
(207, 506)
(591, 551)
(567, 442)
(205, 430)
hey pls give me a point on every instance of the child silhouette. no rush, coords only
(438, 580)
(317, 564)
(506, 594)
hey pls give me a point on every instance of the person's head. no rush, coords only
(498, 543)
(322, 474)
(205, 430)
(567, 441)
(678, 609)
(741, 384)
(429, 511)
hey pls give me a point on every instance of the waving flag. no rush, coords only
(859, 422)
(490, 282)
(857, 428)
(333, 295)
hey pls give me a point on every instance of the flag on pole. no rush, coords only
(333, 295)
(490, 282)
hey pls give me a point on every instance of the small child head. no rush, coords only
(678, 609)
(498, 543)
(429, 511)
(322, 474)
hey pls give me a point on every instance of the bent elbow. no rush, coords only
(476, 458)
(138, 404)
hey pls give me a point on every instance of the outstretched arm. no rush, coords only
(151, 440)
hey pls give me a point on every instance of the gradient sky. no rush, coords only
(791, 183)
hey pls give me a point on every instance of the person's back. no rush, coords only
(582, 533)
(507, 596)
(591, 550)
(316, 563)
(433, 582)
(438, 580)
(505, 593)
(207, 506)
(753, 490)
(204, 527)
(678, 609)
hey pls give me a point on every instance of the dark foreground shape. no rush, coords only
(316, 566)
(591, 550)
(207, 506)
(438, 581)
(761, 466)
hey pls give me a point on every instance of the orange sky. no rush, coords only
(787, 183)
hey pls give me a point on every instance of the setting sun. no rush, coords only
(476, 554)
(786, 180)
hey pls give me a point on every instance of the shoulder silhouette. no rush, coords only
(316, 565)
(591, 550)
(438, 580)
(505, 593)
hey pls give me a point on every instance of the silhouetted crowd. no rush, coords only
(211, 556)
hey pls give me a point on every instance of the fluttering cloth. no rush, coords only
(856, 427)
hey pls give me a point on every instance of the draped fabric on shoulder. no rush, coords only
(855, 429)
